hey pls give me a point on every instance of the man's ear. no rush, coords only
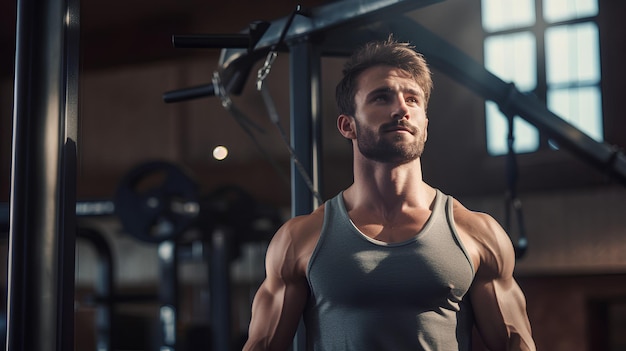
(346, 126)
(426, 130)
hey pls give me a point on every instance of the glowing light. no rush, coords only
(220, 152)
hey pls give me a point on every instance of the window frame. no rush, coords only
(539, 29)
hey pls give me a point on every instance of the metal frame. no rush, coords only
(42, 233)
(339, 36)
(305, 123)
(339, 28)
(104, 288)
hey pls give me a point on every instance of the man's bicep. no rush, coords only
(500, 314)
(280, 300)
(276, 311)
(498, 301)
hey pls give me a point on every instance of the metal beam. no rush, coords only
(236, 63)
(461, 67)
(341, 39)
(339, 13)
(305, 123)
(42, 234)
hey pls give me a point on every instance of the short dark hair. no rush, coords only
(381, 53)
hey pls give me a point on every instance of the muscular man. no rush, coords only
(390, 263)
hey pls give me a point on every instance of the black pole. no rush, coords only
(306, 107)
(105, 288)
(168, 294)
(306, 110)
(219, 277)
(42, 236)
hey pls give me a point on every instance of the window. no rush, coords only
(549, 48)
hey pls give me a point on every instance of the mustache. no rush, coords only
(391, 126)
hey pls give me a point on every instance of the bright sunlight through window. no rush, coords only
(518, 47)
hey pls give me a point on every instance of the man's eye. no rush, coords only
(381, 98)
(412, 100)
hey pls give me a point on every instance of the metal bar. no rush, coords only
(104, 288)
(338, 13)
(189, 93)
(168, 294)
(217, 41)
(305, 134)
(305, 119)
(219, 277)
(91, 208)
(68, 132)
(236, 63)
(42, 231)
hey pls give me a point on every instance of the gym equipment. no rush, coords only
(324, 32)
(156, 201)
(104, 288)
(231, 206)
(43, 177)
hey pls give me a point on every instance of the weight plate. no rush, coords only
(156, 201)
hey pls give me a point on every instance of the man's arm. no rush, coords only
(281, 298)
(499, 303)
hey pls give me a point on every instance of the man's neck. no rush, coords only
(388, 185)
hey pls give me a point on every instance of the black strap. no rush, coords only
(513, 204)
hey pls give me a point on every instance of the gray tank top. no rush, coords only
(371, 295)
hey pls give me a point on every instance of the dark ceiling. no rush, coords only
(121, 32)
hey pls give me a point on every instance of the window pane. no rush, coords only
(581, 107)
(506, 14)
(526, 135)
(512, 57)
(572, 54)
(562, 10)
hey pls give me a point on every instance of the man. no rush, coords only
(391, 263)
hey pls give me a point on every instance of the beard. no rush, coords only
(387, 150)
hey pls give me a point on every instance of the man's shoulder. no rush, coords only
(293, 244)
(474, 220)
(300, 230)
(487, 236)
(303, 224)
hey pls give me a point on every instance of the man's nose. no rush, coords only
(400, 108)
